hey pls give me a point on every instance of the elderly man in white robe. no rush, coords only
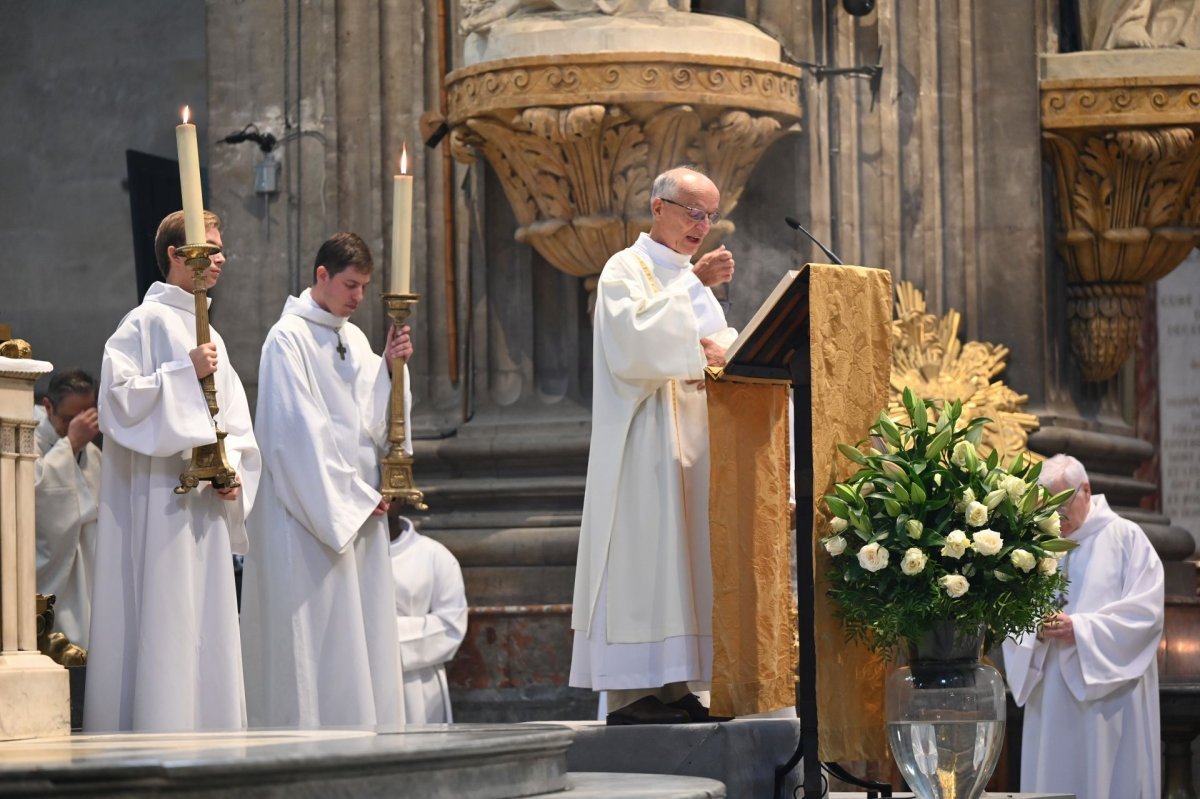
(431, 620)
(1089, 678)
(67, 496)
(318, 600)
(643, 581)
(164, 653)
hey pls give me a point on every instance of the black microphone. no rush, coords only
(792, 223)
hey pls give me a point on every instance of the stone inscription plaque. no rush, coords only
(1179, 392)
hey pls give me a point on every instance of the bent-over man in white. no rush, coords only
(164, 652)
(318, 604)
(643, 582)
(67, 496)
(431, 620)
(1089, 679)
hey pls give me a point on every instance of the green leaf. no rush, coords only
(1058, 544)
(938, 443)
(853, 454)
(921, 418)
(846, 493)
(1032, 495)
(1034, 472)
(975, 434)
(1017, 463)
(993, 460)
(1060, 498)
(838, 507)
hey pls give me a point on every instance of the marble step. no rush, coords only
(596, 785)
(431, 762)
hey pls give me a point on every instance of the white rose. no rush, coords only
(966, 499)
(955, 584)
(1048, 567)
(1015, 487)
(959, 458)
(987, 542)
(835, 545)
(956, 545)
(977, 514)
(838, 525)
(1050, 525)
(1023, 560)
(873, 557)
(914, 561)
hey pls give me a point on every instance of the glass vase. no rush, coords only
(945, 715)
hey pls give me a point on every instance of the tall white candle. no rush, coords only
(189, 181)
(401, 277)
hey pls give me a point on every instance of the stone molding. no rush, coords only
(1119, 102)
(1126, 159)
(577, 145)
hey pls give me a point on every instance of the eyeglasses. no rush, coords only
(695, 214)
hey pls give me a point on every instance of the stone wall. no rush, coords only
(81, 83)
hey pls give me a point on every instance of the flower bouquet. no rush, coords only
(928, 531)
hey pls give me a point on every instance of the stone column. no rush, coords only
(34, 690)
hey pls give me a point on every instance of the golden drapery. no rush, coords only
(850, 317)
(754, 609)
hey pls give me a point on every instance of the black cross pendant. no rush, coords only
(341, 349)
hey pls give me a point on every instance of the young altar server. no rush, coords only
(431, 620)
(1089, 679)
(164, 652)
(318, 603)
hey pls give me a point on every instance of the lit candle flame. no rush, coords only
(404, 160)
(187, 112)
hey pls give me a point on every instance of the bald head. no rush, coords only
(681, 177)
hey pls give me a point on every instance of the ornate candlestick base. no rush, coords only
(208, 461)
(396, 468)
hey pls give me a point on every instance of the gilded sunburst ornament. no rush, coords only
(928, 358)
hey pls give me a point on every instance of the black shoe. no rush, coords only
(697, 712)
(647, 710)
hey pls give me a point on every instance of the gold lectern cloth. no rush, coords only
(850, 313)
(754, 643)
(754, 611)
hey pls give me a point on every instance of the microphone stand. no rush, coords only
(792, 223)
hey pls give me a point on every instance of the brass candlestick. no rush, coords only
(396, 468)
(208, 460)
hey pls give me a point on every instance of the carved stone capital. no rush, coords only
(1126, 159)
(577, 142)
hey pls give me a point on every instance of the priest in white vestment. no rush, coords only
(164, 650)
(431, 620)
(318, 600)
(1089, 679)
(643, 581)
(67, 499)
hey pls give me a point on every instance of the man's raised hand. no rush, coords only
(399, 345)
(714, 268)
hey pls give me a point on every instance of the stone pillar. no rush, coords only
(34, 690)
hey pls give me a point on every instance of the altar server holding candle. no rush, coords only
(318, 605)
(164, 650)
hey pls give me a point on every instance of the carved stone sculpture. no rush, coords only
(480, 15)
(1119, 24)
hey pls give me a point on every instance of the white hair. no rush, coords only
(1063, 470)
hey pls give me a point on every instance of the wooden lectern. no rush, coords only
(830, 326)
